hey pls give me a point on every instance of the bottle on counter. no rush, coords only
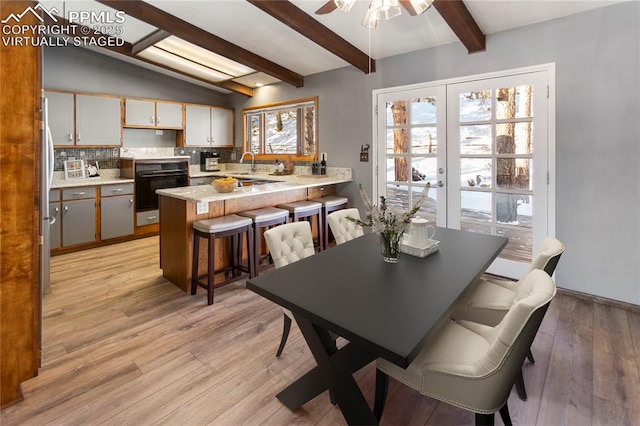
(323, 166)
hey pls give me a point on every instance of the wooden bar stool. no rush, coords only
(226, 226)
(306, 210)
(266, 217)
(330, 204)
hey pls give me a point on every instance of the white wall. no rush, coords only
(597, 57)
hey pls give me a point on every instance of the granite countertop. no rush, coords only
(207, 193)
(107, 177)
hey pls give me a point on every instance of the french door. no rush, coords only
(483, 144)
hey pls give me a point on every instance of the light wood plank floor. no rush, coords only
(124, 346)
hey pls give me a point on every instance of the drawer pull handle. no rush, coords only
(78, 194)
(152, 217)
(118, 190)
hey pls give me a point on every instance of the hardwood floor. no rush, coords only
(124, 346)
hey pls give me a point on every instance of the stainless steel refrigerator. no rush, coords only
(46, 177)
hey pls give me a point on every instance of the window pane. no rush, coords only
(254, 132)
(514, 173)
(397, 141)
(514, 138)
(309, 131)
(423, 111)
(514, 209)
(513, 102)
(475, 139)
(425, 170)
(475, 205)
(396, 112)
(424, 140)
(475, 106)
(281, 132)
(475, 227)
(398, 169)
(475, 172)
(520, 247)
(397, 196)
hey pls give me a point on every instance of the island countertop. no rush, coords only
(207, 193)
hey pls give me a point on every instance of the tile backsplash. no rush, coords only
(109, 158)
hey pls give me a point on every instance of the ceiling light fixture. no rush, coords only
(384, 9)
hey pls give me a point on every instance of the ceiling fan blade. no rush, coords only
(328, 7)
(407, 5)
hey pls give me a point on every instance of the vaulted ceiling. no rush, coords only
(279, 40)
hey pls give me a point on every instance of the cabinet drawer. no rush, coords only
(54, 195)
(79, 193)
(320, 191)
(147, 218)
(200, 181)
(120, 189)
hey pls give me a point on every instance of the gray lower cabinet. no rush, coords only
(116, 216)
(55, 228)
(78, 222)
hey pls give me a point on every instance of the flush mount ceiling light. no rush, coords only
(379, 9)
(163, 48)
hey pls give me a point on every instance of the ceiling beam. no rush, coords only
(459, 19)
(126, 49)
(295, 18)
(195, 35)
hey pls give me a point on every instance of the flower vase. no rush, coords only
(390, 246)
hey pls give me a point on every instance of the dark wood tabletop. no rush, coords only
(386, 309)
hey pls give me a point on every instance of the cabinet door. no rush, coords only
(168, 115)
(78, 222)
(97, 120)
(116, 216)
(61, 117)
(54, 228)
(139, 113)
(197, 125)
(221, 127)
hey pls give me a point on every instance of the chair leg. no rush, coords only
(504, 415)
(522, 392)
(211, 269)
(382, 386)
(485, 419)
(194, 263)
(530, 357)
(285, 334)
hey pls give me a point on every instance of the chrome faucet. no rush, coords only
(253, 158)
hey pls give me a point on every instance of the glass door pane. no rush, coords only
(410, 123)
(496, 134)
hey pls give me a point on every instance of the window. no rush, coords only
(277, 130)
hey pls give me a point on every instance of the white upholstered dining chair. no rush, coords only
(344, 230)
(474, 366)
(289, 243)
(488, 300)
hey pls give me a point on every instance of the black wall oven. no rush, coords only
(157, 174)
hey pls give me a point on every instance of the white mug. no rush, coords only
(420, 232)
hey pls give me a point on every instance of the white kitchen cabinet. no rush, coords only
(61, 108)
(153, 114)
(78, 216)
(116, 211)
(221, 127)
(97, 120)
(209, 126)
(83, 119)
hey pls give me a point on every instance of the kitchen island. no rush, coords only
(180, 207)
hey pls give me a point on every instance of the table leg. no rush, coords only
(334, 371)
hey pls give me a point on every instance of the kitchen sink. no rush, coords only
(251, 182)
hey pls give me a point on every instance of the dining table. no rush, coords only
(383, 310)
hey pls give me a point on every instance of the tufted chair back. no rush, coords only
(548, 255)
(289, 243)
(344, 230)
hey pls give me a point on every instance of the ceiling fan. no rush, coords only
(379, 9)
